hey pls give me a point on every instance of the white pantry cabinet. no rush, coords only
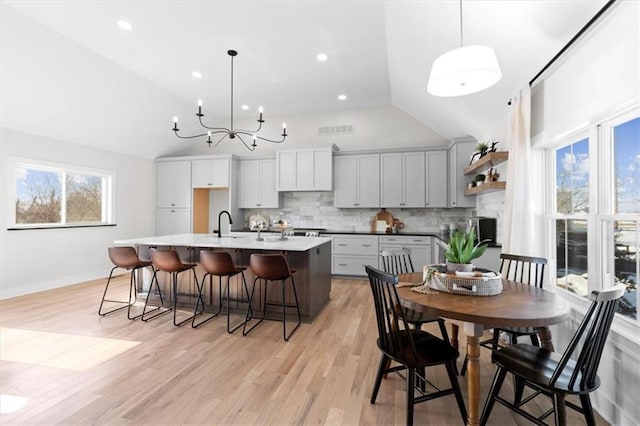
(210, 173)
(357, 181)
(309, 169)
(258, 184)
(437, 176)
(173, 184)
(402, 182)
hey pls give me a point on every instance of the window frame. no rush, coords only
(601, 178)
(108, 196)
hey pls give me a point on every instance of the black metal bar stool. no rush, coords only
(272, 267)
(125, 258)
(169, 261)
(220, 264)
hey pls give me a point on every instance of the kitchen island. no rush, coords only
(310, 257)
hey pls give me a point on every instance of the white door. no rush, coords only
(249, 184)
(391, 194)
(369, 180)
(346, 181)
(269, 197)
(436, 175)
(220, 172)
(413, 184)
(201, 173)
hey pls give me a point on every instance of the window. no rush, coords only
(54, 195)
(594, 214)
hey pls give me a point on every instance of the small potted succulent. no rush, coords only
(479, 179)
(462, 249)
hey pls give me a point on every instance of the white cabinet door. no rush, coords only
(436, 174)
(391, 180)
(420, 247)
(287, 169)
(402, 182)
(459, 157)
(345, 193)
(173, 184)
(305, 169)
(413, 179)
(210, 173)
(249, 184)
(173, 221)
(258, 184)
(357, 181)
(269, 196)
(368, 180)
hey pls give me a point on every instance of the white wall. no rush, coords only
(33, 260)
(374, 128)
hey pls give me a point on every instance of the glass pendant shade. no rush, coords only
(463, 71)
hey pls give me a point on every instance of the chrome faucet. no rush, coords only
(220, 217)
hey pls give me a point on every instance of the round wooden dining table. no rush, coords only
(519, 305)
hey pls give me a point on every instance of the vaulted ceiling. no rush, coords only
(67, 71)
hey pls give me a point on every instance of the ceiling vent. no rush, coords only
(344, 129)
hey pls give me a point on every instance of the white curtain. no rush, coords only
(518, 226)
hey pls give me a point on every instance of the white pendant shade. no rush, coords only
(463, 71)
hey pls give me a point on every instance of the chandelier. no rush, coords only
(230, 132)
(464, 70)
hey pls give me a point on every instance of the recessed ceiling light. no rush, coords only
(244, 107)
(196, 74)
(322, 57)
(342, 97)
(125, 25)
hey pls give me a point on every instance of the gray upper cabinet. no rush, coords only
(459, 157)
(210, 173)
(436, 174)
(258, 184)
(402, 182)
(357, 181)
(173, 179)
(308, 169)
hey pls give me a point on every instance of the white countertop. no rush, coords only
(212, 240)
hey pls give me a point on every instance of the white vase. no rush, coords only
(459, 267)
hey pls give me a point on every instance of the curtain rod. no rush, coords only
(575, 37)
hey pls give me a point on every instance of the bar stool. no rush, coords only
(169, 261)
(272, 267)
(125, 258)
(220, 264)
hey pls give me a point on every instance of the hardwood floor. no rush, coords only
(323, 375)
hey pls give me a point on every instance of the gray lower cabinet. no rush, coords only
(490, 259)
(420, 248)
(351, 253)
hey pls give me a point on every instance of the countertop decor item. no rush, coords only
(230, 132)
(385, 216)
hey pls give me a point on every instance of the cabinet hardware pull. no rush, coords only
(366, 245)
(342, 264)
(342, 245)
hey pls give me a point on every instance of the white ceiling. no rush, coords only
(67, 71)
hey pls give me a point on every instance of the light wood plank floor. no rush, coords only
(323, 375)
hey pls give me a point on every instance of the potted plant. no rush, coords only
(462, 249)
(482, 148)
(479, 179)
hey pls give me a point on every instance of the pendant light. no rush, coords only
(464, 70)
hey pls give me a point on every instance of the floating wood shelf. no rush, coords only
(490, 160)
(486, 187)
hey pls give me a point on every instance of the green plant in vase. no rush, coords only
(462, 249)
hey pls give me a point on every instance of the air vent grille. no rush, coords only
(344, 129)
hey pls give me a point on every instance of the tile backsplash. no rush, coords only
(316, 210)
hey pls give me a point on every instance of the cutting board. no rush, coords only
(382, 216)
